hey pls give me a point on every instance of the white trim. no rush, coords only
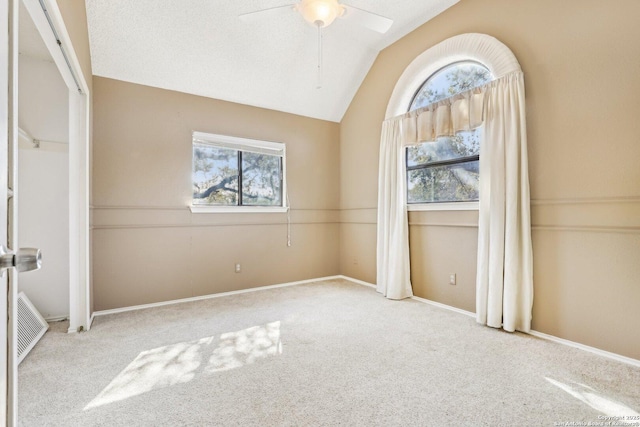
(71, 330)
(56, 319)
(210, 296)
(481, 48)
(79, 137)
(423, 300)
(445, 306)
(39, 18)
(9, 134)
(246, 145)
(359, 282)
(237, 209)
(237, 143)
(597, 351)
(447, 206)
(79, 127)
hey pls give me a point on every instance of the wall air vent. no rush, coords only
(31, 326)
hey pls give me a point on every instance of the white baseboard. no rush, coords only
(599, 352)
(203, 297)
(75, 330)
(426, 301)
(359, 282)
(56, 318)
(603, 353)
(445, 306)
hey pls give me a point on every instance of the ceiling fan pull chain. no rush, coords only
(319, 25)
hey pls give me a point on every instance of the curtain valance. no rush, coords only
(461, 112)
(444, 118)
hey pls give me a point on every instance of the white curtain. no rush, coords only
(393, 279)
(504, 284)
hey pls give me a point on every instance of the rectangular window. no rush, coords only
(446, 170)
(237, 174)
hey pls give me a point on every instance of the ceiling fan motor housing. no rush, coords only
(320, 12)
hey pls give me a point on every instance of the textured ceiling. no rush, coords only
(201, 47)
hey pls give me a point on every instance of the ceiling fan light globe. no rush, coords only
(320, 12)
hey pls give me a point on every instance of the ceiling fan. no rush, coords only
(321, 14)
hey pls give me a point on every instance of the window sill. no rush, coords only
(449, 206)
(238, 209)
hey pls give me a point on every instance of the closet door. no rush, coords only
(7, 104)
(23, 259)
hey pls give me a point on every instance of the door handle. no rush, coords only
(24, 259)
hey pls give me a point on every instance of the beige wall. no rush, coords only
(148, 246)
(581, 60)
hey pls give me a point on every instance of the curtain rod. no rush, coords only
(59, 42)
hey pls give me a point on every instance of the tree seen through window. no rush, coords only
(228, 177)
(446, 170)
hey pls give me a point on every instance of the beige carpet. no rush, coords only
(327, 353)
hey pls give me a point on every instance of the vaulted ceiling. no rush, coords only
(202, 47)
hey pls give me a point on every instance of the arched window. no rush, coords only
(447, 169)
(504, 284)
(450, 80)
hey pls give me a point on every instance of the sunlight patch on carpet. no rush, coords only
(182, 362)
(592, 398)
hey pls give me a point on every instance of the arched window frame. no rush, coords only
(481, 48)
(432, 76)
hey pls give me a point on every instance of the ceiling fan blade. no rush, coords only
(266, 13)
(367, 19)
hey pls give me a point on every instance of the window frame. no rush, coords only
(442, 68)
(423, 206)
(242, 145)
(453, 205)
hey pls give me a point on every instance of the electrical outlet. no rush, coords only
(238, 268)
(452, 279)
